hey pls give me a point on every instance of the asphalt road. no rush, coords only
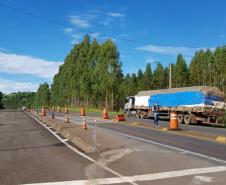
(204, 147)
(29, 153)
(199, 128)
(209, 129)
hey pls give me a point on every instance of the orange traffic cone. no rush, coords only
(84, 125)
(82, 111)
(105, 114)
(43, 112)
(66, 110)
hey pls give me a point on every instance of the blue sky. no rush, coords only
(32, 49)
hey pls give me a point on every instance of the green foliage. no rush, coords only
(1, 98)
(18, 100)
(90, 76)
(180, 73)
(42, 97)
(209, 68)
(148, 77)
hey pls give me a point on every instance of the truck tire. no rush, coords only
(187, 119)
(180, 118)
(127, 113)
(142, 116)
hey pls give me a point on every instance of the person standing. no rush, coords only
(155, 110)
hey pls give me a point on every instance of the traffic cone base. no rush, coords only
(105, 114)
(84, 125)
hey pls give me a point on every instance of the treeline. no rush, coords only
(1, 98)
(17, 100)
(206, 68)
(91, 76)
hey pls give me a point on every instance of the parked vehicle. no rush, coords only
(199, 104)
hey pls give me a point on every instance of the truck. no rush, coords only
(197, 104)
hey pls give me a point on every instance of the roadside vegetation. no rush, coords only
(15, 100)
(91, 76)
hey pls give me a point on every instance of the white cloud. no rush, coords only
(150, 60)
(94, 34)
(171, 50)
(68, 30)
(76, 38)
(111, 17)
(22, 64)
(8, 86)
(79, 21)
(116, 14)
(107, 21)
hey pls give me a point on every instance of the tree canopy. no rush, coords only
(91, 76)
(42, 97)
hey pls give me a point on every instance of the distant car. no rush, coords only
(24, 108)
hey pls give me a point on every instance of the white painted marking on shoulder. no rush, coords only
(80, 153)
(145, 177)
(160, 144)
(203, 178)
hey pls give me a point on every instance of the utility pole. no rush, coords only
(170, 76)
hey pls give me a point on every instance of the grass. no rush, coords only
(95, 110)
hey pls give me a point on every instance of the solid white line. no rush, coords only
(141, 178)
(80, 153)
(160, 144)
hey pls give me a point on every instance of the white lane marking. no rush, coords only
(160, 144)
(80, 153)
(203, 178)
(141, 178)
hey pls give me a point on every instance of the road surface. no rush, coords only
(31, 154)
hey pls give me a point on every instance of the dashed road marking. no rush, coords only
(80, 153)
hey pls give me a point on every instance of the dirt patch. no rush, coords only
(79, 137)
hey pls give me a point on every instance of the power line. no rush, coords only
(65, 25)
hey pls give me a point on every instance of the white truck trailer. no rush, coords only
(199, 104)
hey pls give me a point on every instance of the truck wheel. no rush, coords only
(127, 113)
(180, 118)
(142, 116)
(137, 115)
(187, 119)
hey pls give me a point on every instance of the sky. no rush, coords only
(36, 36)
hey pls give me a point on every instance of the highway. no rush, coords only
(204, 147)
(165, 123)
(31, 154)
(199, 128)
